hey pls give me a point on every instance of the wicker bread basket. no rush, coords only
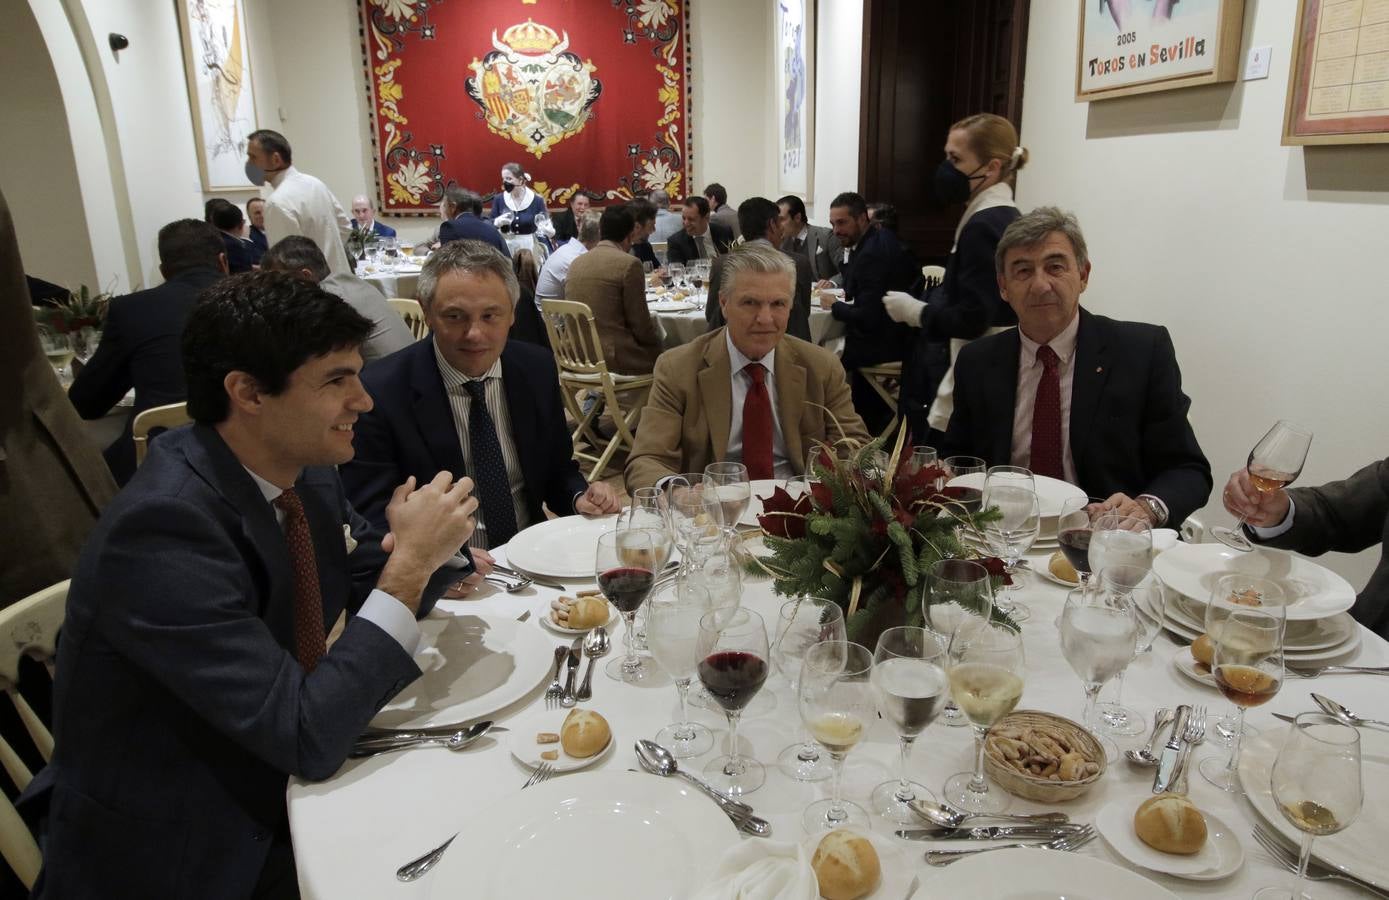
(1030, 787)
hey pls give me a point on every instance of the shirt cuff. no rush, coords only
(1265, 534)
(391, 616)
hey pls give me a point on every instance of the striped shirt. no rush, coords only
(461, 406)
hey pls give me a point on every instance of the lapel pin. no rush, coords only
(1099, 369)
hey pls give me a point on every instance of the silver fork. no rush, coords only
(542, 772)
(1194, 735)
(555, 691)
(1315, 671)
(506, 584)
(1064, 843)
(1315, 871)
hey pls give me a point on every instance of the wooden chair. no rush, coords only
(171, 415)
(413, 315)
(27, 628)
(934, 275)
(579, 357)
(886, 379)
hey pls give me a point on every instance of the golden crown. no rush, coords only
(530, 37)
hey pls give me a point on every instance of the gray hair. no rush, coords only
(463, 200)
(1032, 228)
(469, 257)
(760, 258)
(589, 233)
(659, 199)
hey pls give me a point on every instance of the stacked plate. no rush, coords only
(1052, 494)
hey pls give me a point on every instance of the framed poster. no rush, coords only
(1338, 86)
(795, 91)
(217, 62)
(1138, 46)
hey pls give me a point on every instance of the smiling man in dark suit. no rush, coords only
(469, 400)
(1073, 395)
(700, 236)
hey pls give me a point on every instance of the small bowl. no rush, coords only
(1031, 787)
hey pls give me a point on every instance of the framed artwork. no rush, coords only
(795, 91)
(1338, 85)
(217, 62)
(1139, 46)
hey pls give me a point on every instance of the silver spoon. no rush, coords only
(596, 644)
(946, 818)
(456, 741)
(1147, 756)
(658, 761)
(1336, 710)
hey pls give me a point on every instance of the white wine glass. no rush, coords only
(986, 669)
(733, 667)
(801, 624)
(672, 622)
(910, 683)
(1273, 464)
(838, 707)
(1099, 636)
(1227, 591)
(1248, 670)
(957, 590)
(1011, 535)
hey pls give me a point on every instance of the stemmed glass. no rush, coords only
(957, 591)
(732, 650)
(922, 456)
(1017, 476)
(1073, 533)
(1274, 463)
(677, 274)
(985, 665)
(1316, 783)
(648, 512)
(1125, 545)
(1145, 592)
(1248, 670)
(837, 705)
(801, 624)
(969, 498)
(1218, 609)
(623, 566)
(672, 623)
(728, 482)
(695, 514)
(1013, 533)
(909, 679)
(1099, 636)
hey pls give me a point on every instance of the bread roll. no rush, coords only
(1061, 567)
(584, 733)
(588, 612)
(1203, 650)
(846, 866)
(1170, 823)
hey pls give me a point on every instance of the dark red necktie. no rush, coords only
(310, 641)
(1046, 417)
(757, 424)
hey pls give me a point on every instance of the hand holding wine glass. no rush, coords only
(1274, 463)
(732, 650)
(837, 706)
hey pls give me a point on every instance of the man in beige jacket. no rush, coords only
(745, 392)
(610, 281)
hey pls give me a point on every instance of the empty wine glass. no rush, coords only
(1317, 785)
(694, 514)
(1248, 670)
(672, 622)
(1145, 592)
(1218, 608)
(728, 481)
(837, 706)
(956, 590)
(1099, 636)
(985, 666)
(1016, 476)
(802, 623)
(968, 496)
(1274, 463)
(1073, 533)
(733, 667)
(677, 273)
(623, 565)
(909, 679)
(922, 456)
(1012, 534)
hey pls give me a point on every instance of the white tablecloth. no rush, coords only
(352, 831)
(393, 284)
(677, 328)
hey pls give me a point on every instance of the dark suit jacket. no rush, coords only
(821, 248)
(141, 347)
(240, 254)
(681, 248)
(798, 325)
(527, 325)
(565, 226)
(1129, 429)
(643, 251)
(1347, 516)
(259, 239)
(466, 226)
(180, 709)
(411, 432)
(877, 265)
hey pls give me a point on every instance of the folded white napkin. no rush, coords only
(762, 870)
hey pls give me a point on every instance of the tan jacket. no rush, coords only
(686, 422)
(609, 280)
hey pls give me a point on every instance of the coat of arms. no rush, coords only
(532, 89)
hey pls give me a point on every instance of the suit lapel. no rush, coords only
(1088, 378)
(715, 392)
(432, 411)
(790, 396)
(1005, 397)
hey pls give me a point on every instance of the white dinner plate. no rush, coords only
(661, 306)
(551, 625)
(1359, 850)
(1296, 657)
(473, 666)
(1024, 874)
(1220, 857)
(1052, 494)
(1184, 662)
(522, 744)
(1311, 591)
(1334, 632)
(560, 548)
(550, 840)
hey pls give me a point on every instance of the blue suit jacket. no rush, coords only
(468, 227)
(410, 431)
(382, 230)
(180, 710)
(877, 265)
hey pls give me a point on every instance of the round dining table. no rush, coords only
(352, 831)
(397, 282)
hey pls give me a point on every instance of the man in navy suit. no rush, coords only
(364, 218)
(469, 400)
(462, 213)
(243, 254)
(196, 674)
(700, 237)
(1073, 395)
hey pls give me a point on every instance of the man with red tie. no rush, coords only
(1076, 396)
(746, 392)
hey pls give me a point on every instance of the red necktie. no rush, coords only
(1046, 417)
(310, 643)
(757, 424)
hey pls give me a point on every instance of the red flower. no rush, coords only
(782, 516)
(822, 494)
(996, 568)
(909, 486)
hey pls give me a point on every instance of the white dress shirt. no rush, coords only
(1272, 531)
(1029, 376)
(742, 381)
(550, 284)
(301, 204)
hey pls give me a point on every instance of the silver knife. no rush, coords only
(543, 582)
(571, 673)
(987, 832)
(1171, 752)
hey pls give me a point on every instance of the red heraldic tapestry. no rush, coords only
(584, 94)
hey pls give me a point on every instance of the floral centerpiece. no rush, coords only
(359, 240)
(866, 534)
(80, 309)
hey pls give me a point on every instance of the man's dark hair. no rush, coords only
(794, 205)
(272, 142)
(885, 214)
(854, 201)
(254, 200)
(188, 244)
(643, 211)
(266, 324)
(463, 200)
(227, 216)
(700, 204)
(754, 215)
(293, 253)
(209, 206)
(617, 224)
(718, 193)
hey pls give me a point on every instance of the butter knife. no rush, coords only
(987, 832)
(571, 673)
(1171, 752)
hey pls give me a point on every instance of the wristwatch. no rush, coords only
(1156, 509)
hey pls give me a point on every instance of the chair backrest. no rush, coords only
(573, 337)
(27, 628)
(170, 415)
(412, 313)
(934, 275)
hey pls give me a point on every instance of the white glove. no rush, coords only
(902, 307)
(504, 219)
(544, 226)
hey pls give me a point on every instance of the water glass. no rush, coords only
(1011, 535)
(672, 624)
(1138, 587)
(909, 680)
(1099, 636)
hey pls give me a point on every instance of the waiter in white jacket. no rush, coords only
(299, 203)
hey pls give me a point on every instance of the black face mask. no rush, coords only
(508, 187)
(952, 185)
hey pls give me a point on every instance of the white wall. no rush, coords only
(838, 82)
(1266, 262)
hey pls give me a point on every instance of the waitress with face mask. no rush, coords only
(519, 213)
(982, 159)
